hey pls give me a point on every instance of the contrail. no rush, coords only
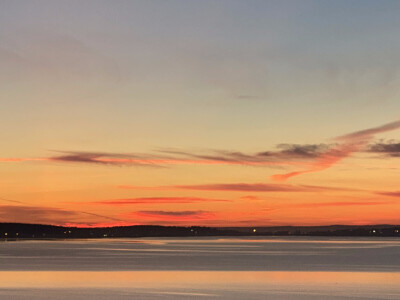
(12, 201)
(83, 212)
(97, 215)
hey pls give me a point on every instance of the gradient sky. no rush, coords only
(222, 113)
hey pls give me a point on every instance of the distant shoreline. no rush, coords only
(16, 231)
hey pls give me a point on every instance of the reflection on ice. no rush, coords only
(210, 254)
(138, 279)
(195, 284)
(229, 268)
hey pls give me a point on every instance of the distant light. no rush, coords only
(254, 230)
(6, 234)
(374, 231)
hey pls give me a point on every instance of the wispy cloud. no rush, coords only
(240, 187)
(391, 148)
(284, 154)
(49, 215)
(186, 215)
(40, 215)
(341, 203)
(249, 197)
(82, 157)
(172, 213)
(158, 200)
(391, 194)
(104, 158)
(348, 144)
(87, 224)
(175, 157)
(366, 134)
(299, 151)
(101, 216)
(310, 157)
(11, 201)
(144, 188)
(164, 158)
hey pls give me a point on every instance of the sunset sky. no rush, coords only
(212, 113)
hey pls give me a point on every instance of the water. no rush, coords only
(202, 268)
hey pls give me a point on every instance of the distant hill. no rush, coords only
(29, 231)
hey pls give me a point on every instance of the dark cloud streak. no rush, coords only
(391, 149)
(348, 144)
(239, 187)
(173, 213)
(158, 200)
(390, 194)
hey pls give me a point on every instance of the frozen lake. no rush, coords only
(202, 268)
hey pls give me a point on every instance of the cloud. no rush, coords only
(300, 151)
(28, 211)
(330, 188)
(163, 158)
(391, 149)
(158, 200)
(240, 187)
(90, 158)
(80, 157)
(144, 188)
(102, 158)
(172, 213)
(186, 215)
(99, 224)
(324, 204)
(310, 157)
(101, 216)
(349, 144)
(391, 194)
(286, 154)
(39, 215)
(367, 134)
(11, 201)
(249, 197)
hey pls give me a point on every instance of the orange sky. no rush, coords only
(348, 181)
(220, 114)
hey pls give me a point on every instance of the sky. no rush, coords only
(211, 113)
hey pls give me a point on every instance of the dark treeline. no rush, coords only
(29, 231)
(17, 230)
